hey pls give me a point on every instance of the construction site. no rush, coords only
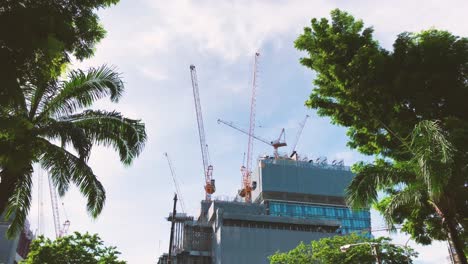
(284, 199)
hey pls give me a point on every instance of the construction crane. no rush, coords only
(247, 185)
(176, 183)
(40, 215)
(207, 167)
(60, 230)
(277, 143)
(299, 132)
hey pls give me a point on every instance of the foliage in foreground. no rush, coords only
(75, 248)
(327, 250)
(53, 128)
(381, 96)
(39, 37)
(45, 117)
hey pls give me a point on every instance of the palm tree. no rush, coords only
(425, 181)
(46, 128)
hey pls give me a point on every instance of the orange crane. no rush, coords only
(247, 186)
(207, 167)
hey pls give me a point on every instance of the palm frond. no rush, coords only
(12, 97)
(82, 89)
(41, 95)
(410, 196)
(64, 167)
(67, 132)
(127, 136)
(434, 154)
(371, 178)
(19, 203)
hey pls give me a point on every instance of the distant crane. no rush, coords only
(60, 230)
(40, 215)
(207, 167)
(171, 238)
(176, 183)
(299, 132)
(277, 143)
(247, 185)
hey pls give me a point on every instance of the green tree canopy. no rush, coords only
(327, 250)
(54, 128)
(39, 36)
(75, 248)
(381, 96)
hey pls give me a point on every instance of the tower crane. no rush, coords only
(207, 167)
(59, 230)
(299, 132)
(277, 143)
(176, 183)
(247, 186)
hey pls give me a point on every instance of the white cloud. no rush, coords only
(231, 29)
(154, 73)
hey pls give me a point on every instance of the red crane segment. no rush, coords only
(207, 167)
(246, 171)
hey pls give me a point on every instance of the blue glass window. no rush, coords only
(351, 221)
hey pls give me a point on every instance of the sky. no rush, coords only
(152, 43)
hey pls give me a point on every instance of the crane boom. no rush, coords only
(176, 183)
(277, 143)
(207, 167)
(230, 124)
(301, 127)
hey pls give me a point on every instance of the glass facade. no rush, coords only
(351, 220)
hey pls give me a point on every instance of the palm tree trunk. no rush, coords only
(7, 188)
(455, 242)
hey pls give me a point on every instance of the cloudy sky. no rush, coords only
(153, 43)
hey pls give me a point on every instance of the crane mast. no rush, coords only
(55, 210)
(246, 170)
(59, 230)
(40, 215)
(207, 167)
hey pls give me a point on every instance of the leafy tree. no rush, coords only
(381, 96)
(47, 128)
(420, 183)
(39, 36)
(327, 250)
(75, 248)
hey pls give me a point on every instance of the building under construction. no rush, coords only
(294, 201)
(283, 200)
